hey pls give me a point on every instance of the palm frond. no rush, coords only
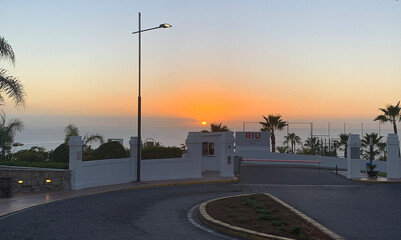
(93, 138)
(6, 51)
(12, 87)
(70, 130)
(382, 118)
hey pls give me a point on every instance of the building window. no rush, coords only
(207, 149)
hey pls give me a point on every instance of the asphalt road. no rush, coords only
(353, 210)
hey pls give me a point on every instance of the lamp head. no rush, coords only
(165, 25)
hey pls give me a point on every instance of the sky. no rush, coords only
(222, 61)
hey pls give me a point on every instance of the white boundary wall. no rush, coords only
(123, 170)
(263, 153)
(331, 162)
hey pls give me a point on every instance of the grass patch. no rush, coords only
(382, 174)
(55, 165)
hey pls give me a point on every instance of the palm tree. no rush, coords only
(382, 146)
(283, 149)
(10, 85)
(343, 142)
(218, 128)
(390, 114)
(366, 144)
(7, 133)
(313, 144)
(273, 123)
(72, 130)
(293, 140)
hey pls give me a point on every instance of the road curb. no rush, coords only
(250, 234)
(325, 230)
(377, 182)
(233, 180)
(230, 229)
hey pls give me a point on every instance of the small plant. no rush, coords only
(278, 223)
(372, 167)
(243, 220)
(302, 237)
(296, 230)
(282, 229)
(254, 204)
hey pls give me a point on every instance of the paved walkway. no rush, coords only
(25, 200)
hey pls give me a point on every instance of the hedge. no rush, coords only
(161, 152)
(61, 153)
(110, 150)
(56, 165)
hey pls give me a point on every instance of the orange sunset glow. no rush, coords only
(300, 65)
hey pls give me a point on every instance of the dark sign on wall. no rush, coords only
(252, 138)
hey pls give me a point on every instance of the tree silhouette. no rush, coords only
(313, 144)
(343, 142)
(10, 85)
(293, 140)
(218, 128)
(271, 124)
(366, 144)
(390, 114)
(7, 133)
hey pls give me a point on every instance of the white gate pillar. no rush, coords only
(354, 156)
(194, 153)
(393, 159)
(75, 160)
(227, 154)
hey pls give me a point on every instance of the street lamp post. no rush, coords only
(164, 25)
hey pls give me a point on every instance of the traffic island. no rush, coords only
(261, 216)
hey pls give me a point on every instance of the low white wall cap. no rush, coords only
(354, 140)
(75, 141)
(227, 137)
(194, 137)
(133, 140)
(392, 139)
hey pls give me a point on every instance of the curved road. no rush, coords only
(162, 213)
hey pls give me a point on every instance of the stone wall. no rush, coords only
(34, 179)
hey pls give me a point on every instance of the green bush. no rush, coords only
(159, 152)
(61, 153)
(27, 156)
(56, 165)
(110, 150)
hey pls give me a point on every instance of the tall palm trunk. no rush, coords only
(395, 126)
(273, 138)
(345, 151)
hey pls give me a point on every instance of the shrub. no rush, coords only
(110, 150)
(159, 152)
(296, 230)
(61, 153)
(36, 164)
(35, 154)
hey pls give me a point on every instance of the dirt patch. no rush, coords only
(260, 213)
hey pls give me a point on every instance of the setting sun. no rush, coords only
(204, 123)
